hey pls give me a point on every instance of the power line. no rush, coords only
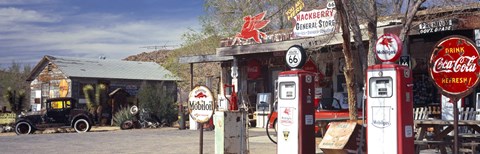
(159, 47)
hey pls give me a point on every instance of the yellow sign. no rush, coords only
(7, 118)
(63, 88)
(285, 135)
(291, 12)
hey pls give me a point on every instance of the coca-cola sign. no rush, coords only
(454, 66)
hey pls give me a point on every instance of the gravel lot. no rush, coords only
(112, 140)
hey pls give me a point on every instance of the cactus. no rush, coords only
(16, 100)
(95, 104)
(88, 91)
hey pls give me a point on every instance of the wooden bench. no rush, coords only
(431, 144)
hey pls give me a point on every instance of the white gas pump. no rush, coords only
(389, 102)
(295, 106)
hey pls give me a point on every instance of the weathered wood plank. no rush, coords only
(203, 59)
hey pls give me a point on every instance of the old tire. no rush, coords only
(127, 124)
(23, 127)
(81, 126)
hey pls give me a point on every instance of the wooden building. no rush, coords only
(56, 76)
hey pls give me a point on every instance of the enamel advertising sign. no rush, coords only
(314, 22)
(251, 28)
(388, 48)
(200, 104)
(454, 66)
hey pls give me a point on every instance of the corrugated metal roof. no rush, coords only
(113, 69)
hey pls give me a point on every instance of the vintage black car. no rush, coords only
(60, 112)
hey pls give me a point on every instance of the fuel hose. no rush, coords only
(268, 122)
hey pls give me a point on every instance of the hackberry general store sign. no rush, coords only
(200, 104)
(454, 66)
(315, 22)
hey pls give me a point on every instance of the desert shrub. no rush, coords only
(122, 115)
(159, 101)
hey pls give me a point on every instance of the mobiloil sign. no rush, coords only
(200, 104)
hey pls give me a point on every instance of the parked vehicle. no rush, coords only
(141, 119)
(59, 112)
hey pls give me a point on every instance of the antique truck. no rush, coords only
(59, 112)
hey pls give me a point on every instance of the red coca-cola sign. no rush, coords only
(454, 66)
(253, 69)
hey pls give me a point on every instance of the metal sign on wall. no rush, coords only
(7, 118)
(314, 22)
(454, 66)
(404, 60)
(292, 11)
(437, 26)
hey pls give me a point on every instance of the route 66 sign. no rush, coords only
(296, 57)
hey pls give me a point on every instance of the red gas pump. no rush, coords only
(389, 101)
(296, 129)
(232, 102)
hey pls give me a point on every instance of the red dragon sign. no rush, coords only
(251, 27)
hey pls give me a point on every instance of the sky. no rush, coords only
(116, 29)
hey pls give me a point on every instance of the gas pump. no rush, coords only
(295, 106)
(389, 102)
(232, 101)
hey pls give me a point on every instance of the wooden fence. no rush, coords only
(468, 113)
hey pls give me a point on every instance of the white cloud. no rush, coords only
(28, 35)
(12, 16)
(22, 2)
(116, 40)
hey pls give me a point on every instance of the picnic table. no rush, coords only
(440, 138)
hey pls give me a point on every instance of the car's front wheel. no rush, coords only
(23, 127)
(81, 126)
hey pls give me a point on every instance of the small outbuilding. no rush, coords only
(56, 76)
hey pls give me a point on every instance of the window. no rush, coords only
(381, 87)
(67, 104)
(287, 90)
(57, 104)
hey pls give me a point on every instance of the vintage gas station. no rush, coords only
(406, 102)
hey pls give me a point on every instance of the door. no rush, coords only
(58, 111)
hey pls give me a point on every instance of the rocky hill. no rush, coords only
(158, 56)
